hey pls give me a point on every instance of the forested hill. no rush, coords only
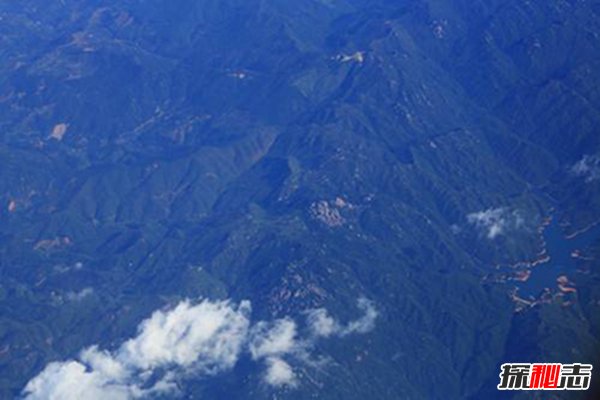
(300, 155)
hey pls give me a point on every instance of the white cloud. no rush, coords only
(273, 341)
(104, 363)
(269, 339)
(72, 381)
(588, 167)
(496, 221)
(208, 336)
(323, 325)
(202, 339)
(279, 373)
(364, 324)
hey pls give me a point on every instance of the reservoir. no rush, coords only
(560, 248)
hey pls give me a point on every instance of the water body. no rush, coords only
(559, 248)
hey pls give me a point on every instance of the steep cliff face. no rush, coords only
(299, 155)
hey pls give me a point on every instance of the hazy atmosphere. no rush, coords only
(307, 199)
